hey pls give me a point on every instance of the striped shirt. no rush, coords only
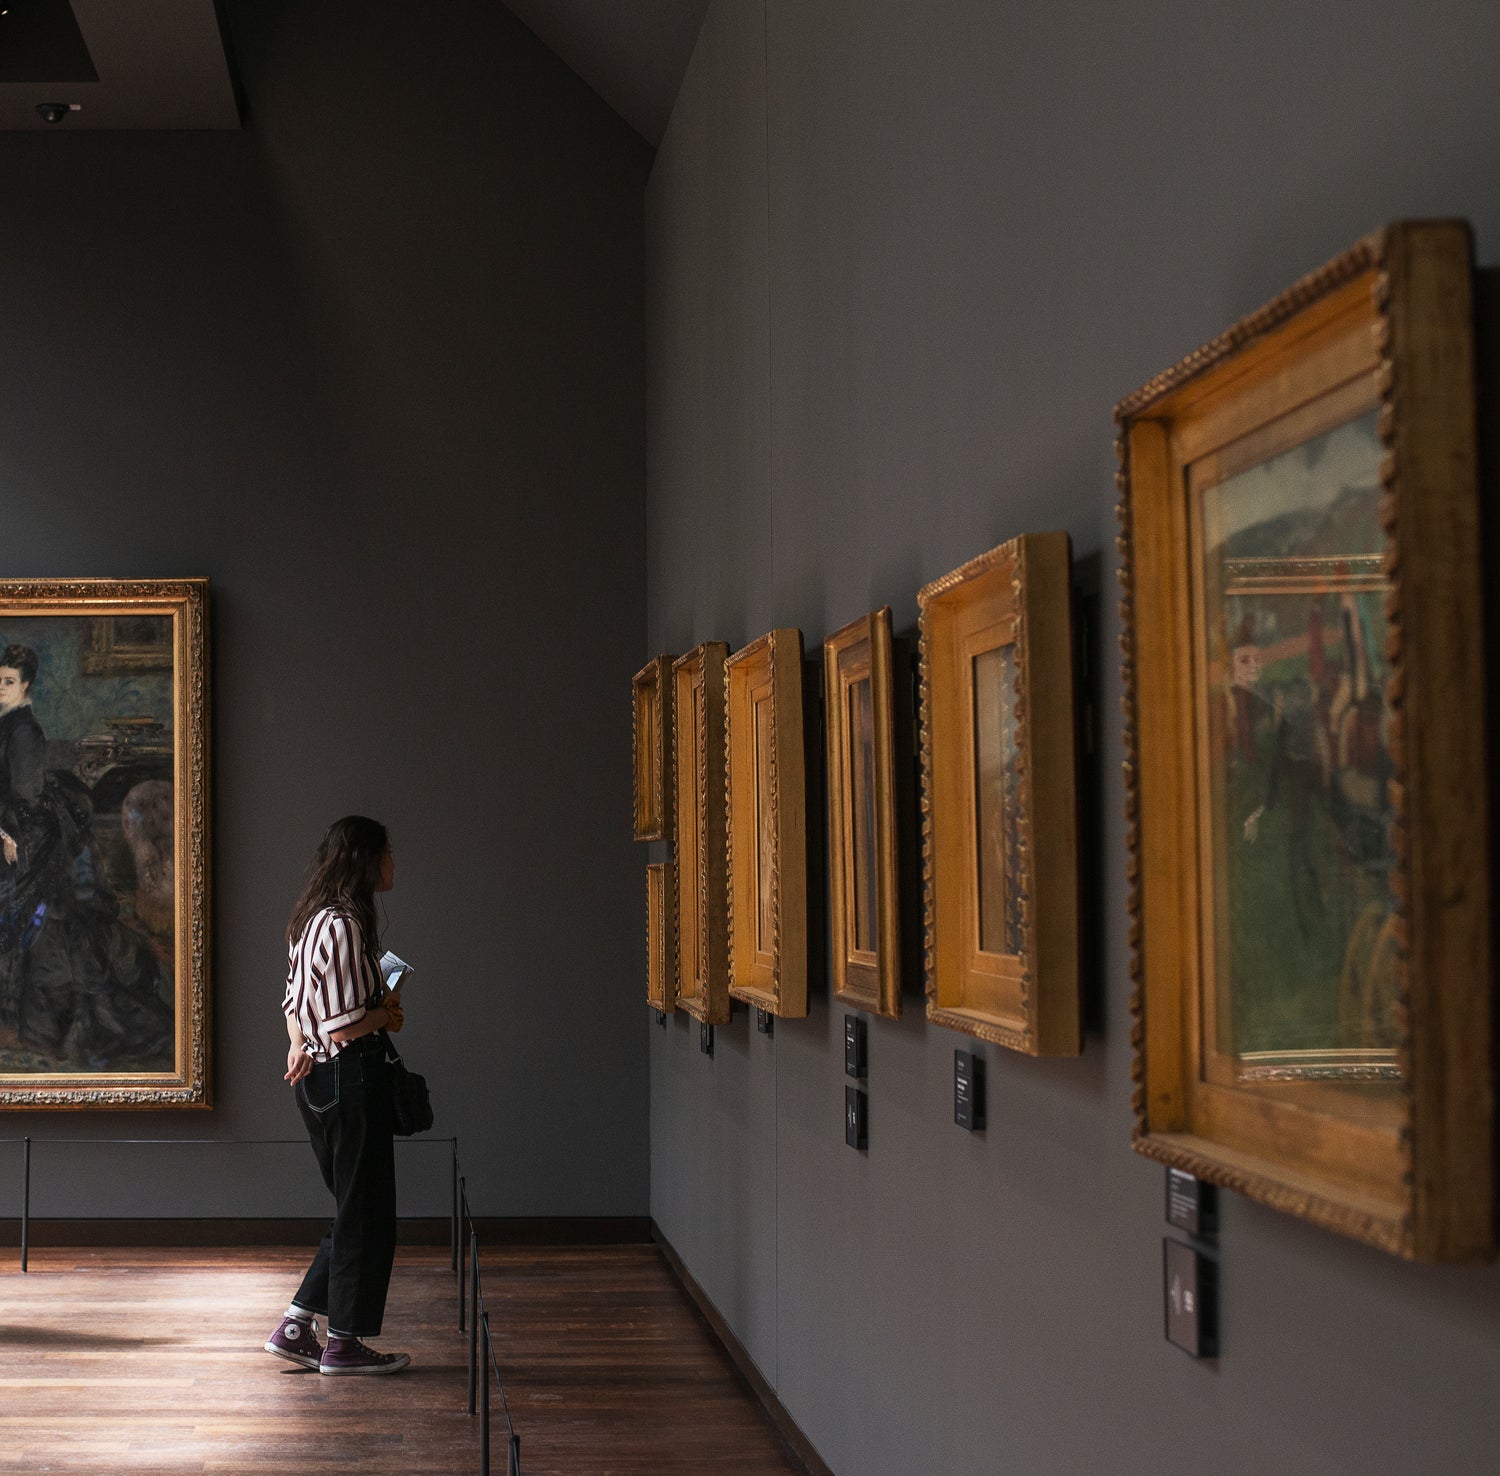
(331, 980)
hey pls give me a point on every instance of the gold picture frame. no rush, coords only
(766, 780)
(104, 882)
(999, 804)
(661, 941)
(863, 871)
(1305, 754)
(702, 925)
(651, 730)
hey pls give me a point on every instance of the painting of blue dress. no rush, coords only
(88, 918)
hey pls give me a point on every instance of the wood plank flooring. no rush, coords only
(122, 1361)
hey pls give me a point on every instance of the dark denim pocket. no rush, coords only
(320, 1087)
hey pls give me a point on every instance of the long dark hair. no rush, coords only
(343, 875)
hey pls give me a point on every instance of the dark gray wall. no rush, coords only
(374, 365)
(904, 260)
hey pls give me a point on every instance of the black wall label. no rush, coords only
(765, 1021)
(1191, 1299)
(706, 1039)
(1192, 1205)
(968, 1090)
(856, 1118)
(854, 1046)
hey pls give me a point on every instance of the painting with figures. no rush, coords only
(1294, 682)
(102, 844)
(1305, 753)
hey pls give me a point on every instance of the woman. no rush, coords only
(76, 983)
(335, 1005)
(28, 835)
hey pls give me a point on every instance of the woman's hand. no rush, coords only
(396, 1016)
(10, 848)
(373, 1019)
(298, 1063)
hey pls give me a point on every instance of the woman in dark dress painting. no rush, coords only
(74, 983)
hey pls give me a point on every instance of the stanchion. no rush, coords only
(473, 1312)
(25, 1201)
(464, 1199)
(453, 1227)
(484, 1385)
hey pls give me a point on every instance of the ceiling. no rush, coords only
(114, 64)
(129, 64)
(633, 53)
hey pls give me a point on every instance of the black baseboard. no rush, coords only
(577, 1230)
(798, 1445)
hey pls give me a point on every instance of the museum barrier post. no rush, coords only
(474, 1318)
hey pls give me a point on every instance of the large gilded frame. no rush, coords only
(118, 747)
(702, 924)
(1001, 943)
(1390, 1143)
(863, 871)
(766, 787)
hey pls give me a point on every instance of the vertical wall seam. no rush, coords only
(765, 19)
(765, 15)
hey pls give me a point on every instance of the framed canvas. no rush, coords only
(104, 883)
(702, 897)
(863, 882)
(652, 729)
(661, 942)
(767, 856)
(1306, 766)
(999, 813)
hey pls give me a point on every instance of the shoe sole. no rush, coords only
(366, 1370)
(299, 1359)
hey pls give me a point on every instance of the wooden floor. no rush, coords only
(115, 1361)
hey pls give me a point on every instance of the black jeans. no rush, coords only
(346, 1104)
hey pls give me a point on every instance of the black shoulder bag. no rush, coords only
(411, 1108)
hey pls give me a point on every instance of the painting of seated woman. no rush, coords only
(100, 1001)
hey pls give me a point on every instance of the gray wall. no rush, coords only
(374, 365)
(904, 259)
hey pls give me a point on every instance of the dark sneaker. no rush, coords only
(296, 1341)
(350, 1356)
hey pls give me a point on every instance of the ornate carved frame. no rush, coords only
(1029, 1000)
(701, 925)
(186, 602)
(1394, 315)
(869, 979)
(766, 677)
(651, 729)
(661, 939)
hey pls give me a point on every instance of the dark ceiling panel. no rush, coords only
(160, 64)
(40, 42)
